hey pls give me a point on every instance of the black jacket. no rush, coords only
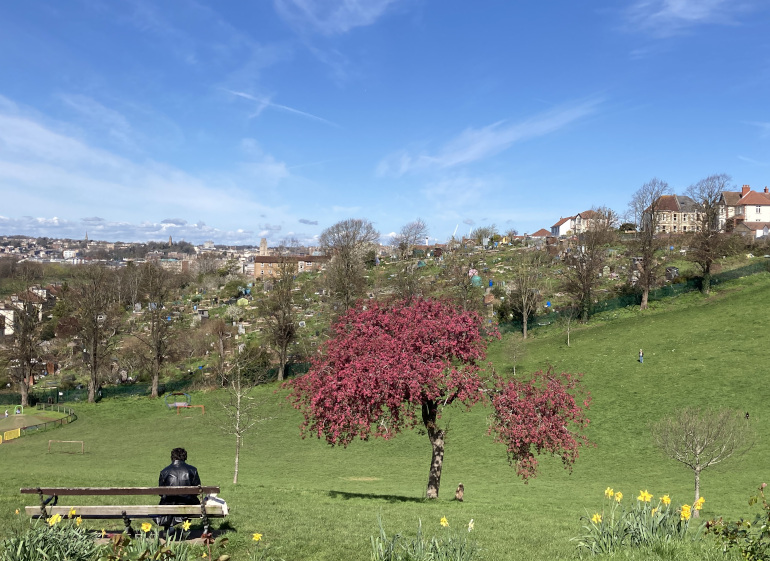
(179, 474)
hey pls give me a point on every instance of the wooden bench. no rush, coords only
(210, 507)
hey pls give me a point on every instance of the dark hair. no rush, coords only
(179, 454)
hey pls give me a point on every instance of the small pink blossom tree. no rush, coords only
(542, 415)
(389, 367)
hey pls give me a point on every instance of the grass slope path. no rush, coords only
(321, 503)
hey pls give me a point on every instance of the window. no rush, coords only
(675, 218)
(759, 210)
(674, 228)
(684, 228)
(684, 218)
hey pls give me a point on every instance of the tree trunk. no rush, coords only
(92, 381)
(237, 457)
(645, 298)
(24, 391)
(696, 512)
(706, 283)
(524, 326)
(237, 427)
(155, 376)
(282, 363)
(436, 436)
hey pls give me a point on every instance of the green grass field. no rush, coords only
(321, 503)
(30, 417)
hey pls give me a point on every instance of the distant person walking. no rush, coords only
(641, 356)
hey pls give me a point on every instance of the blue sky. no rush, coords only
(232, 121)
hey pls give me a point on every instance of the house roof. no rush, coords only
(754, 198)
(541, 233)
(731, 198)
(687, 204)
(562, 221)
(754, 225)
(588, 214)
(668, 203)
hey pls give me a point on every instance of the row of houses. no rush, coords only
(744, 212)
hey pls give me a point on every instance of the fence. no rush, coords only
(23, 431)
(635, 299)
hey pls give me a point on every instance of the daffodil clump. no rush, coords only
(451, 543)
(59, 537)
(148, 544)
(634, 523)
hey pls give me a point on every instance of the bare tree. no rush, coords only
(20, 356)
(708, 243)
(411, 234)
(97, 315)
(277, 308)
(700, 438)
(511, 233)
(248, 369)
(527, 278)
(478, 234)
(347, 243)
(643, 209)
(586, 259)
(457, 277)
(222, 334)
(156, 287)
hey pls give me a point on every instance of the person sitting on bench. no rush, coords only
(177, 474)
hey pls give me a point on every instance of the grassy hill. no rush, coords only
(322, 503)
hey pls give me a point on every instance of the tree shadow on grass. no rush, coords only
(388, 498)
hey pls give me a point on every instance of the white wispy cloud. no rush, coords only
(476, 144)
(752, 161)
(264, 102)
(46, 171)
(332, 17)
(666, 17)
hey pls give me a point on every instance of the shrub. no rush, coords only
(751, 539)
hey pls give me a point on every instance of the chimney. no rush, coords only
(766, 190)
(745, 190)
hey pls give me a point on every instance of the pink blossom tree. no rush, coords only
(542, 415)
(389, 367)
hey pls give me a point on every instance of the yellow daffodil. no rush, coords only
(72, 512)
(146, 527)
(104, 532)
(470, 525)
(204, 555)
(78, 520)
(54, 520)
(256, 536)
(644, 496)
(653, 511)
(609, 492)
(596, 518)
(17, 511)
(186, 525)
(686, 512)
(444, 522)
(618, 496)
(665, 499)
(699, 503)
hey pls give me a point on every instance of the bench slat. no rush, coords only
(119, 490)
(132, 511)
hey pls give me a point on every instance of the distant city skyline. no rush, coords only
(136, 120)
